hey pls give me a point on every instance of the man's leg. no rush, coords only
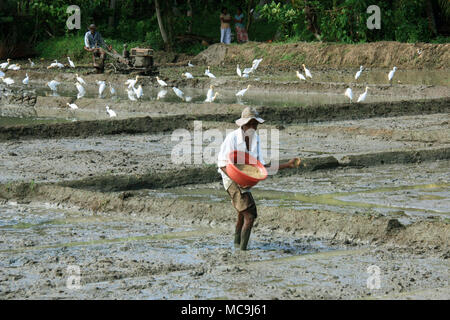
(238, 230)
(222, 35)
(249, 218)
(228, 35)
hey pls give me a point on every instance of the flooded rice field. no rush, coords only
(94, 207)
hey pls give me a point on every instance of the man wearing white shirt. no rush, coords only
(247, 140)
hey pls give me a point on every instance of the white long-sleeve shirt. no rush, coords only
(235, 141)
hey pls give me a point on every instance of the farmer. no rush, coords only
(225, 30)
(93, 42)
(241, 33)
(244, 139)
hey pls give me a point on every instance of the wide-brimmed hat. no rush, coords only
(248, 114)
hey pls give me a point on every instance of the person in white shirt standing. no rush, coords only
(247, 140)
(225, 28)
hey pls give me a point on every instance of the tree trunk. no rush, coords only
(431, 18)
(111, 19)
(161, 26)
(189, 14)
(249, 15)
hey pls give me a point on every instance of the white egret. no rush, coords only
(248, 70)
(26, 80)
(53, 85)
(188, 75)
(132, 82)
(162, 83)
(101, 88)
(238, 71)
(307, 73)
(391, 74)
(55, 64)
(14, 67)
(190, 64)
(210, 94)
(256, 63)
(72, 106)
(178, 92)
(81, 90)
(349, 94)
(111, 89)
(363, 96)
(300, 76)
(161, 94)
(358, 74)
(80, 79)
(31, 63)
(111, 113)
(188, 99)
(131, 94)
(138, 92)
(242, 92)
(5, 64)
(71, 64)
(8, 81)
(209, 74)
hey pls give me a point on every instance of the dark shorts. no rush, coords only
(242, 201)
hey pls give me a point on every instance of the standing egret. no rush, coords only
(300, 76)
(210, 94)
(111, 113)
(161, 94)
(208, 73)
(81, 90)
(26, 80)
(238, 71)
(111, 89)
(256, 63)
(72, 106)
(190, 64)
(391, 74)
(363, 96)
(31, 63)
(162, 83)
(131, 94)
(358, 74)
(349, 94)
(55, 64)
(53, 85)
(307, 73)
(242, 92)
(178, 92)
(5, 64)
(8, 81)
(71, 64)
(138, 92)
(101, 88)
(80, 79)
(132, 82)
(188, 75)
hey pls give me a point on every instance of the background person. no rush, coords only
(93, 42)
(241, 32)
(225, 29)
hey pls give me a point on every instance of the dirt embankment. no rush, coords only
(384, 54)
(288, 115)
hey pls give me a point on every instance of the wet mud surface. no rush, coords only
(78, 189)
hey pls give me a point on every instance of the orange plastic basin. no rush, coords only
(242, 179)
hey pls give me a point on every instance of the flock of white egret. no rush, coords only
(135, 94)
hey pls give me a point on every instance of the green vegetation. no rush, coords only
(42, 23)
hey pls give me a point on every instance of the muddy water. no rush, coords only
(407, 192)
(129, 257)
